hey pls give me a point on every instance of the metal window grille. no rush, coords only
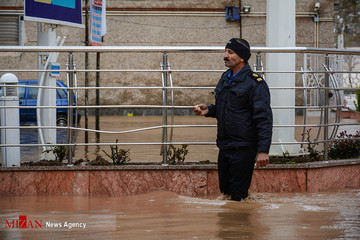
(9, 30)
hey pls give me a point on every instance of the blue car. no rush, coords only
(28, 97)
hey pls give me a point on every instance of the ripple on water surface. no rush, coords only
(166, 215)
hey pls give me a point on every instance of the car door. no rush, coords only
(61, 100)
(28, 97)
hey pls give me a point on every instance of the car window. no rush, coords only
(33, 91)
(61, 93)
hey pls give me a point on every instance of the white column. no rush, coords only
(280, 32)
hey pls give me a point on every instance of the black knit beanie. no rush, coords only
(240, 49)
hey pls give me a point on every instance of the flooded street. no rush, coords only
(166, 215)
(151, 153)
(138, 153)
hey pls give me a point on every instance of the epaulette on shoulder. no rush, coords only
(256, 77)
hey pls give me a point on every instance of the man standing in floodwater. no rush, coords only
(244, 121)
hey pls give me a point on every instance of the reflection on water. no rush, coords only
(151, 153)
(166, 215)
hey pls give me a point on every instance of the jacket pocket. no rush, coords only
(238, 99)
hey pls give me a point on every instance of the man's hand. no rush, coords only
(201, 109)
(262, 159)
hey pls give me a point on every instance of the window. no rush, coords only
(10, 30)
(61, 92)
(21, 92)
(33, 91)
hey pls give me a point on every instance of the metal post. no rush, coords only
(86, 73)
(326, 110)
(70, 110)
(97, 93)
(240, 20)
(164, 111)
(258, 62)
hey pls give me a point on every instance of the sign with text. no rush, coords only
(97, 21)
(63, 12)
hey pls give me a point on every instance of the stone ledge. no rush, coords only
(110, 167)
(322, 164)
(193, 180)
(190, 166)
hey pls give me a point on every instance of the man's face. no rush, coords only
(231, 59)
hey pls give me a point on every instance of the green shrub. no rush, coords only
(357, 102)
(346, 146)
(59, 152)
(119, 156)
(177, 155)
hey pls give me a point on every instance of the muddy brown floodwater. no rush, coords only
(151, 153)
(166, 215)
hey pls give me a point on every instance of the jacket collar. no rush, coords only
(241, 75)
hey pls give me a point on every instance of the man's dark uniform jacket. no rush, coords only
(242, 109)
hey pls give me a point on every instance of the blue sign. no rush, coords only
(63, 12)
(55, 66)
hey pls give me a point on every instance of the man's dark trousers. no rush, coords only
(235, 167)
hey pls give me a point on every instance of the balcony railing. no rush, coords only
(315, 85)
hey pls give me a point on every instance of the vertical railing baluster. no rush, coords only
(326, 110)
(258, 63)
(70, 110)
(164, 110)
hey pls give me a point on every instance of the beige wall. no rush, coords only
(174, 23)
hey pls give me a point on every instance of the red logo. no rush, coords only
(23, 223)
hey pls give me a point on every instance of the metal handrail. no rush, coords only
(159, 143)
(161, 126)
(172, 49)
(163, 107)
(170, 88)
(166, 70)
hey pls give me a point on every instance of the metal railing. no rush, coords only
(330, 84)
